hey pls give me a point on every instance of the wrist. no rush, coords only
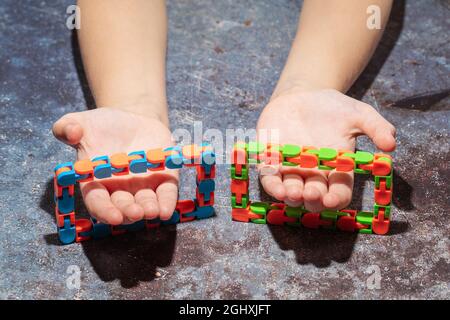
(143, 106)
(299, 84)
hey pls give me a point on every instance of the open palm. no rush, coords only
(121, 199)
(324, 118)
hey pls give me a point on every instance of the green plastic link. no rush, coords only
(385, 159)
(290, 150)
(240, 145)
(387, 210)
(322, 167)
(261, 209)
(387, 178)
(360, 157)
(275, 148)
(295, 212)
(332, 215)
(361, 171)
(239, 206)
(364, 217)
(244, 175)
(253, 161)
(289, 164)
(255, 148)
(325, 154)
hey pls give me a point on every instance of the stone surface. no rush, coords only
(224, 59)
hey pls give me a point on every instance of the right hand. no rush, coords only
(121, 199)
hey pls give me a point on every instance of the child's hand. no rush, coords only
(121, 199)
(323, 118)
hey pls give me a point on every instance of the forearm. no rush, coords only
(333, 44)
(123, 45)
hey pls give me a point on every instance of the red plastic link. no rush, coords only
(59, 189)
(239, 157)
(348, 223)
(183, 207)
(239, 188)
(116, 232)
(201, 174)
(60, 217)
(278, 217)
(379, 224)
(244, 215)
(201, 199)
(149, 225)
(82, 225)
(383, 195)
(312, 220)
(378, 167)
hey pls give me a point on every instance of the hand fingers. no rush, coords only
(340, 186)
(273, 185)
(68, 129)
(293, 184)
(124, 201)
(167, 194)
(379, 130)
(98, 202)
(314, 191)
(147, 199)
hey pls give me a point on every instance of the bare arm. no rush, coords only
(333, 44)
(309, 108)
(123, 44)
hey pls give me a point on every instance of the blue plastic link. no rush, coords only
(67, 234)
(174, 219)
(139, 165)
(66, 203)
(103, 171)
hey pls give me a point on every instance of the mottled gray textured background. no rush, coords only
(224, 59)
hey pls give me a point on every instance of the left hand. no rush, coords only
(319, 118)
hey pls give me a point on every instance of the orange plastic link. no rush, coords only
(305, 160)
(84, 167)
(379, 224)
(156, 156)
(341, 163)
(61, 170)
(378, 167)
(192, 151)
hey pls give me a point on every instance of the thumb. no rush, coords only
(68, 129)
(377, 128)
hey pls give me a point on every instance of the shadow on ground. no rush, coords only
(321, 247)
(131, 258)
